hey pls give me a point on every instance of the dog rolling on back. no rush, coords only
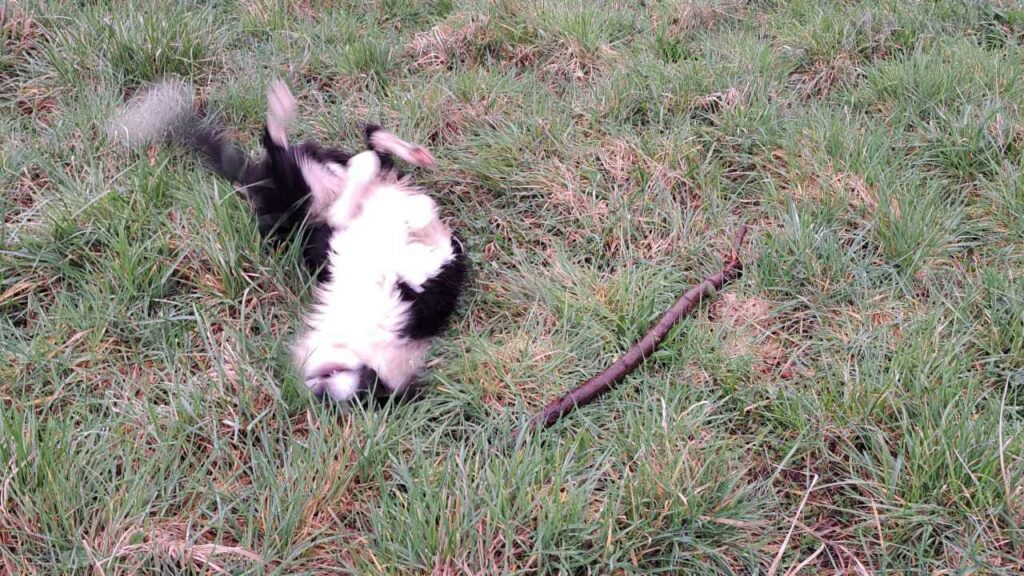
(390, 272)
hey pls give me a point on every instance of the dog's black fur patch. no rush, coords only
(431, 309)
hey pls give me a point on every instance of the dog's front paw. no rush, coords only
(420, 211)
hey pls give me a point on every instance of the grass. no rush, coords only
(596, 157)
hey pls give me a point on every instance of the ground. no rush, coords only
(852, 405)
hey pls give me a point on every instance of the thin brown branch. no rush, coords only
(598, 385)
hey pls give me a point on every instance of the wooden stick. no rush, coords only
(598, 385)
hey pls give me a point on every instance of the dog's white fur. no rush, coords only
(359, 312)
(384, 231)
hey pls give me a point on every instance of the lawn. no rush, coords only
(854, 404)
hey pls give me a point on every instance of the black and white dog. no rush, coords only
(389, 270)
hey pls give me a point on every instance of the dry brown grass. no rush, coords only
(807, 179)
(747, 327)
(572, 64)
(19, 37)
(23, 195)
(618, 158)
(513, 352)
(173, 541)
(458, 117)
(822, 77)
(844, 185)
(262, 10)
(519, 56)
(688, 16)
(717, 101)
(565, 186)
(1007, 134)
(18, 30)
(449, 42)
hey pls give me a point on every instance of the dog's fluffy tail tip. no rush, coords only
(152, 113)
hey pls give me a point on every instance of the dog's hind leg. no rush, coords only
(281, 109)
(385, 143)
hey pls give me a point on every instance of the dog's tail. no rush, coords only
(166, 110)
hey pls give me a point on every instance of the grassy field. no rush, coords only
(853, 405)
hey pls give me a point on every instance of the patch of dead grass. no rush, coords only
(623, 162)
(688, 16)
(17, 532)
(262, 10)
(575, 64)
(651, 184)
(565, 185)
(816, 182)
(35, 102)
(457, 118)
(516, 354)
(23, 195)
(855, 190)
(18, 31)
(821, 77)
(668, 170)
(519, 56)
(447, 43)
(1008, 135)
(747, 326)
(884, 320)
(709, 105)
(173, 541)
(618, 158)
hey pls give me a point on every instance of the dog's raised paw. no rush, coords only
(281, 108)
